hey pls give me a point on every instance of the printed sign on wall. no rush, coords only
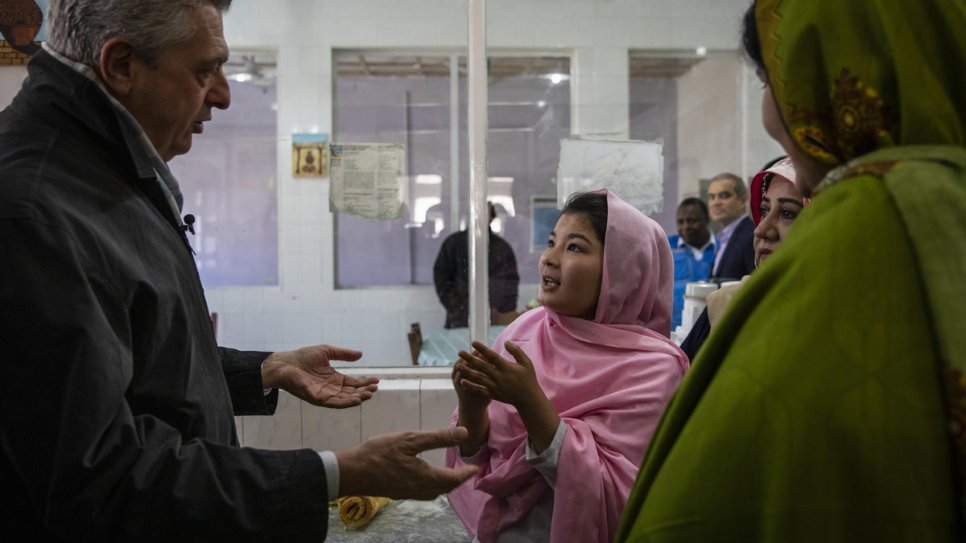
(633, 169)
(367, 179)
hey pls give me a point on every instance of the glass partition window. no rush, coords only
(409, 99)
(229, 180)
(692, 103)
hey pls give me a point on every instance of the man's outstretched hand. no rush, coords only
(387, 465)
(306, 374)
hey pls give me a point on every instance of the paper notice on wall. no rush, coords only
(632, 169)
(367, 179)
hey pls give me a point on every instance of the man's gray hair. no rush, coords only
(741, 191)
(78, 28)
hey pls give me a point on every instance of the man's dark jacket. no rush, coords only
(738, 259)
(451, 275)
(116, 416)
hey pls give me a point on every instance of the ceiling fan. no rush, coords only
(249, 70)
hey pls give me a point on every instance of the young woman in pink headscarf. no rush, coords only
(561, 410)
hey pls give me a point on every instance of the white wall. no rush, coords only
(305, 308)
(11, 77)
(598, 34)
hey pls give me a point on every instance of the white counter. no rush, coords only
(404, 521)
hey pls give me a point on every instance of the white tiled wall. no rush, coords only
(437, 400)
(306, 308)
(598, 34)
(403, 402)
(11, 77)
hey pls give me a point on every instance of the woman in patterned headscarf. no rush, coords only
(828, 405)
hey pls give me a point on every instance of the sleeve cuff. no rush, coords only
(331, 473)
(243, 372)
(546, 462)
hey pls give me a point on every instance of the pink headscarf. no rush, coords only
(609, 380)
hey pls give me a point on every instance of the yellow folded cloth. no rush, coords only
(357, 511)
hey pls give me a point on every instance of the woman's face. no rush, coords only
(808, 171)
(571, 267)
(780, 206)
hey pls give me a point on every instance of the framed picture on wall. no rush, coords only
(21, 29)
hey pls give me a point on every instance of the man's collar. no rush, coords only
(727, 230)
(146, 159)
(132, 129)
(712, 241)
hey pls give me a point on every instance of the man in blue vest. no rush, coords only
(693, 248)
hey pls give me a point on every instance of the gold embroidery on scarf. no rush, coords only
(859, 115)
(856, 121)
(847, 171)
(955, 384)
(812, 140)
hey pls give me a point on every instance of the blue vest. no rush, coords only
(687, 268)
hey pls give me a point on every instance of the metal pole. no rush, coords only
(479, 214)
(453, 223)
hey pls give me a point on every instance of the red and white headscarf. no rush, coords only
(783, 169)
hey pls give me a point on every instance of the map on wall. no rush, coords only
(633, 169)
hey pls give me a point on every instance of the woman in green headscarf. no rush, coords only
(829, 404)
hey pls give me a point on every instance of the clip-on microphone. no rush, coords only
(189, 223)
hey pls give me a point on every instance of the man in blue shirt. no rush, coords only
(693, 248)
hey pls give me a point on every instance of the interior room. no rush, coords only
(282, 270)
(469, 270)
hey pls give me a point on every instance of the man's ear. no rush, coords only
(117, 66)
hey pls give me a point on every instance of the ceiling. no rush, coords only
(358, 64)
(654, 66)
(386, 65)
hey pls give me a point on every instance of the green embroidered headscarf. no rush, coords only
(853, 76)
(872, 85)
(763, 441)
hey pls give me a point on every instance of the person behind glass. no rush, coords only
(829, 405)
(727, 198)
(561, 409)
(776, 202)
(117, 418)
(451, 275)
(693, 248)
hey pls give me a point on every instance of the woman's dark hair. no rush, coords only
(750, 41)
(591, 204)
(766, 180)
(773, 161)
(765, 183)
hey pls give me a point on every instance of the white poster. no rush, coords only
(367, 179)
(632, 169)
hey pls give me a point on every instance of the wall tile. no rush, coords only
(394, 408)
(280, 431)
(437, 402)
(240, 430)
(599, 33)
(330, 429)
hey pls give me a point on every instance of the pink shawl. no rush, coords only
(609, 380)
